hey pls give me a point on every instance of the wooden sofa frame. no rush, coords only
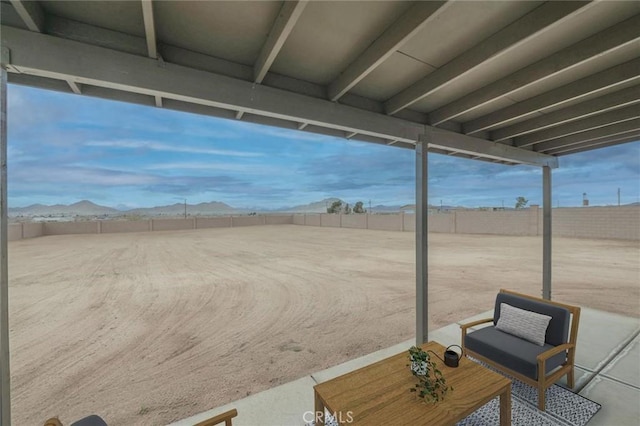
(224, 417)
(543, 380)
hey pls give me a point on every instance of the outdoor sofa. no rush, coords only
(527, 350)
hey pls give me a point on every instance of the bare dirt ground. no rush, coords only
(148, 328)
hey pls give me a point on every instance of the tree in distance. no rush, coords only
(336, 207)
(358, 208)
(521, 202)
(347, 209)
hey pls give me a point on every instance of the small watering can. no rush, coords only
(451, 358)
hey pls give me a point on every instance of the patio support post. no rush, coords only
(422, 273)
(5, 406)
(546, 232)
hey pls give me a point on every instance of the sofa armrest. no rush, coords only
(551, 352)
(544, 356)
(474, 323)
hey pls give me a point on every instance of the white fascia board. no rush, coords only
(470, 145)
(46, 56)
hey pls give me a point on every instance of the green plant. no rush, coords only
(432, 386)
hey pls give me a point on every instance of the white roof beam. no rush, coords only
(451, 141)
(599, 133)
(592, 84)
(393, 38)
(284, 23)
(619, 99)
(75, 87)
(599, 143)
(150, 28)
(541, 19)
(158, 100)
(31, 14)
(600, 120)
(349, 135)
(301, 126)
(52, 57)
(239, 115)
(614, 38)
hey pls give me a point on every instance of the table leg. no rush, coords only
(319, 410)
(505, 407)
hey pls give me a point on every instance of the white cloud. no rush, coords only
(217, 167)
(159, 146)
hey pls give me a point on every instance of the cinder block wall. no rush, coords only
(32, 230)
(247, 220)
(63, 228)
(19, 231)
(386, 222)
(579, 222)
(596, 222)
(114, 226)
(172, 224)
(14, 232)
(515, 222)
(357, 221)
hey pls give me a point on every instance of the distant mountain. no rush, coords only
(385, 209)
(88, 208)
(315, 207)
(81, 208)
(202, 209)
(213, 208)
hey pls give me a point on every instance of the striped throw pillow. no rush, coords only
(527, 325)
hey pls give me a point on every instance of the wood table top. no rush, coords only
(378, 394)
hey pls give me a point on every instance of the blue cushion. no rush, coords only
(510, 351)
(558, 330)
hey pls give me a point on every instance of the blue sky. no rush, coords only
(65, 148)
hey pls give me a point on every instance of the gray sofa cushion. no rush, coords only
(558, 330)
(510, 351)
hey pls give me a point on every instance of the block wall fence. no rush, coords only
(579, 222)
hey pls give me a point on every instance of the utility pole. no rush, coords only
(618, 197)
(185, 208)
(370, 207)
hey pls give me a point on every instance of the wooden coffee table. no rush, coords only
(378, 394)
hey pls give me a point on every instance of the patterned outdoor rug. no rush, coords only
(563, 408)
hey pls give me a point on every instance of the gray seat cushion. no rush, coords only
(510, 351)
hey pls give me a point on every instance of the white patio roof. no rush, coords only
(510, 82)
(513, 82)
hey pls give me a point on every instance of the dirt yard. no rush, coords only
(149, 328)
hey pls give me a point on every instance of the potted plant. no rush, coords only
(432, 385)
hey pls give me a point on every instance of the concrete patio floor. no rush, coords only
(607, 361)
